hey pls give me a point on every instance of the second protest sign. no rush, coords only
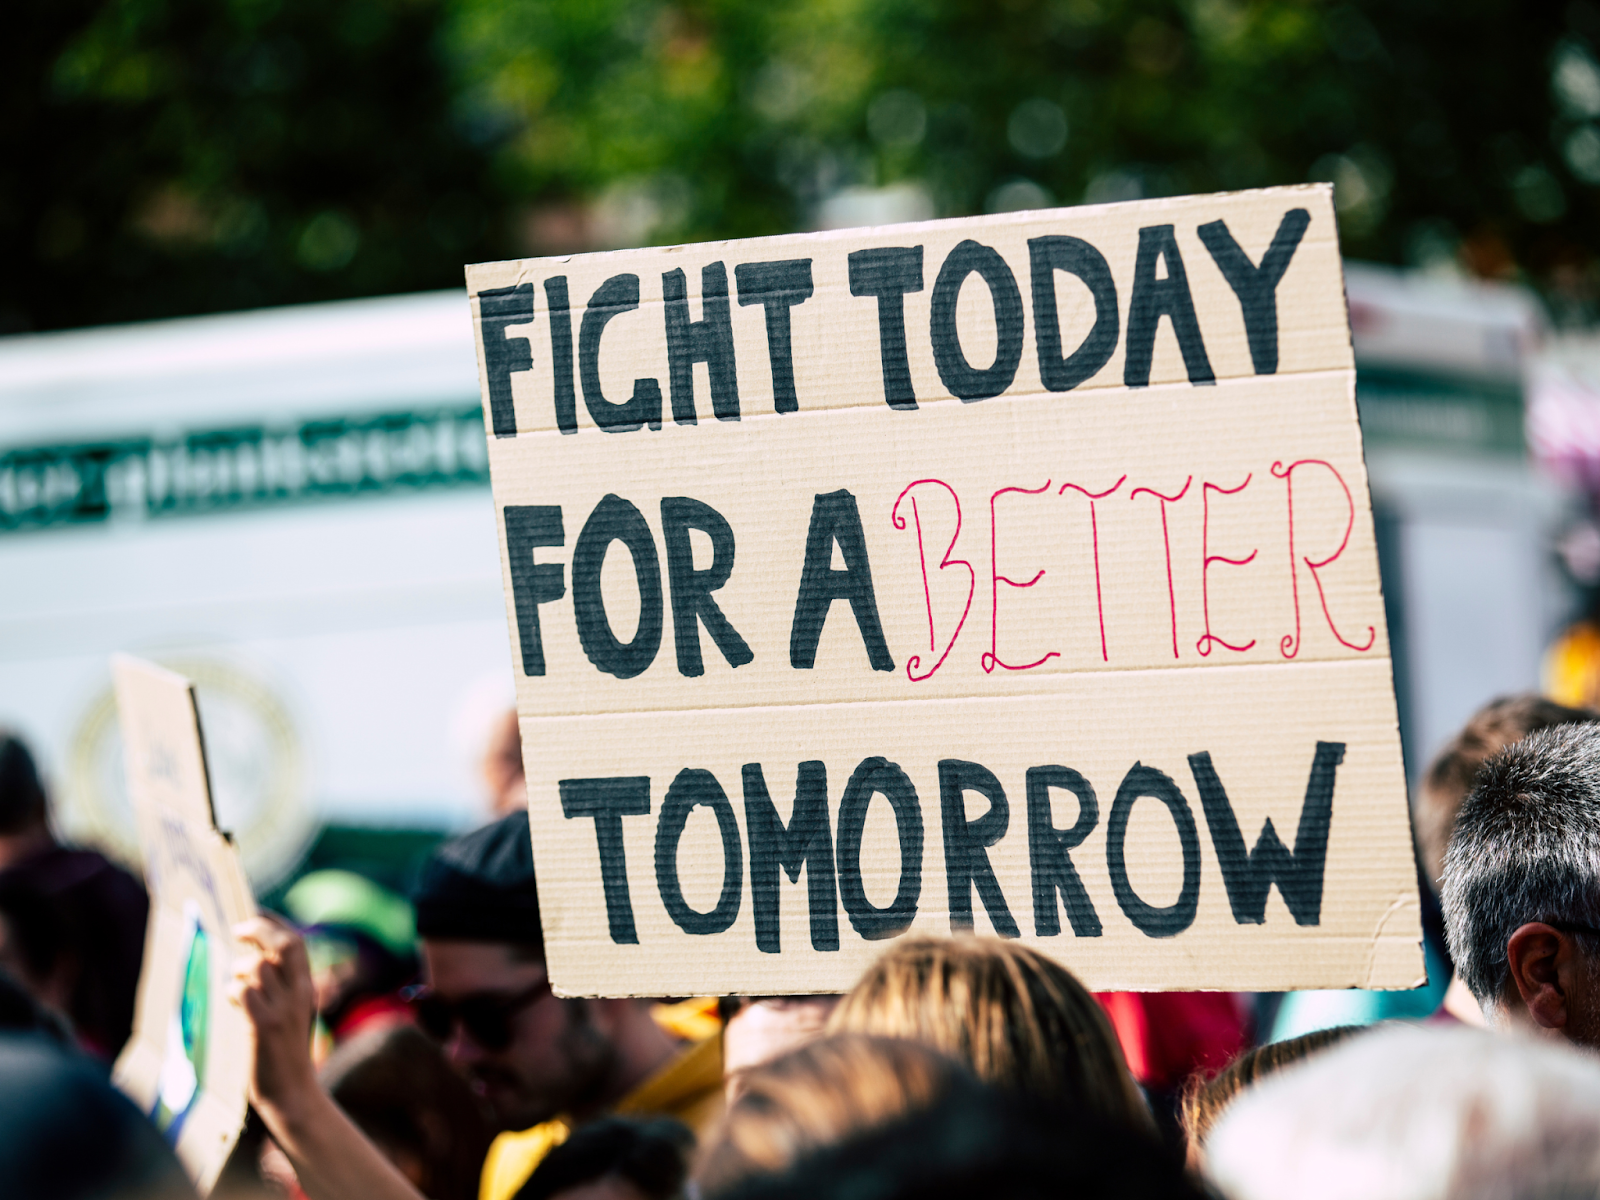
(1012, 574)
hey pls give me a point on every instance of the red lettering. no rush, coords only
(914, 663)
(1094, 527)
(1207, 558)
(991, 658)
(1166, 542)
(1289, 646)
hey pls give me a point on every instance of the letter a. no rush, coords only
(835, 518)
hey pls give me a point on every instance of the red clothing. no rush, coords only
(375, 1012)
(1167, 1036)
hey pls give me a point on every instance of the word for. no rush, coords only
(887, 274)
(831, 854)
(836, 521)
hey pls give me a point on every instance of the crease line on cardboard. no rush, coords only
(1106, 390)
(1396, 906)
(1041, 693)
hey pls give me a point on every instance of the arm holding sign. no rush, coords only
(333, 1158)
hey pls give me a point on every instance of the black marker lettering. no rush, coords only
(889, 273)
(879, 777)
(966, 843)
(1178, 916)
(498, 309)
(1076, 257)
(608, 801)
(960, 376)
(615, 296)
(692, 602)
(1049, 853)
(1156, 298)
(1249, 875)
(1257, 287)
(804, 842)
(708, 340)
(533, 584)
(615, 520)
(835, 518)
(777, 287)
(555, 292)
(689, 790)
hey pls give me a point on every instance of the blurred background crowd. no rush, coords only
(240, 433)
(404, 1048)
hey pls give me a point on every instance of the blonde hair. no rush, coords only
(1019, 1020)
(818, 1096)
(1205, 1100)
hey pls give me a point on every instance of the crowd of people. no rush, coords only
(415, 1048)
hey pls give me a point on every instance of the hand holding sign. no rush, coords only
(272, 986)
(272, 983)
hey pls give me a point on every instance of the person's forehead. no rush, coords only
(765, 1029)
(457, 967)
(607, 1187)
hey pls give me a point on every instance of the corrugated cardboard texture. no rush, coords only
(877, 510)
(194, 876)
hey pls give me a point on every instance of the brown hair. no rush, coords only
(399, 1089)
(1205, 1100)
(1451, 775)
(1019, 1020)
(22, 802)
(817, 1096)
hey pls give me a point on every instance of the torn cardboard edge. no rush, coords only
(187, 1064)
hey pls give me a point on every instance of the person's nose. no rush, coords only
(461, 1049)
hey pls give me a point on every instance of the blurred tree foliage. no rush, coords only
(173, 156)
(162, 157)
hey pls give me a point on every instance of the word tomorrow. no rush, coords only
(831, 854)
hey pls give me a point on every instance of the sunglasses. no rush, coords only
(486, 1017)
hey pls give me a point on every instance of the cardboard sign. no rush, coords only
(1012, 574)
(188, 1062)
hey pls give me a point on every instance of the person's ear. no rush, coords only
(1538, 957)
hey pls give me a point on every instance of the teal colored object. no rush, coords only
(194, 1013)
(353, 901)
(1306, 1012)
(183, 1069)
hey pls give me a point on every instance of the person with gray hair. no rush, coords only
(1417, 1113)
(1521, 886)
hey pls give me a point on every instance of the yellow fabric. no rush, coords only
(688, 1088)
(1572, 667)
(692, 1020)
(513, 1156)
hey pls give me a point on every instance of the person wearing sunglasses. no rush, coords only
(543, 1064)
